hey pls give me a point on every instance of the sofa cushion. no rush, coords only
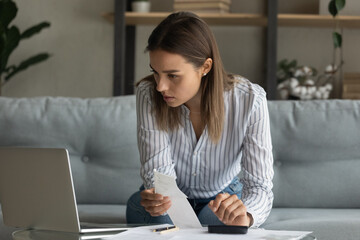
(316, 150)
(329, 224)
(99, 133)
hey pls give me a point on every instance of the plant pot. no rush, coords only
(140, 6)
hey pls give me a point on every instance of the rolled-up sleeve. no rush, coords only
(257, 163)
(153, 144)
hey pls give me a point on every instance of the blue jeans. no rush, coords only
(135, 213)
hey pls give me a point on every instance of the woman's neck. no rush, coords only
(194, 104)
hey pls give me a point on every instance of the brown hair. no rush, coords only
(184, 33)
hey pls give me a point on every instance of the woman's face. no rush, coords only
(176, 79)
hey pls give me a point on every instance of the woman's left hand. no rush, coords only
(230, 210)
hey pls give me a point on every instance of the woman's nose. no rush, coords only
(162, 85)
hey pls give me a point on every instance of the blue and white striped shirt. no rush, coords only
(202, 168)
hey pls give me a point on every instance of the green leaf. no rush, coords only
(337, 38)
(34, 29)
(282, 63)
(340, 4)
(293, 64)
(8, 11)
(25, 64)
(11, 41)
(332, 8)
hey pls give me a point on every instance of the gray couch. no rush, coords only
(316, 157)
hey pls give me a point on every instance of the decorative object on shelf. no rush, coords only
(203, 6)
(10, 38)
(140, 6)
(334, 8)
(301, 82)
(351, 86)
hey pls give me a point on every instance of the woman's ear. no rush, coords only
(207, 66)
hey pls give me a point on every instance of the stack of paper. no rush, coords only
(147, 233)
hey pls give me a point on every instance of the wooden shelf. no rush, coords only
(240, 19)
(154, 18)
(314, 20)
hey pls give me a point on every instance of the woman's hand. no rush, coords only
(154, 203)
(230, 210)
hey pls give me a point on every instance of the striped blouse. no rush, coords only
(202, 168)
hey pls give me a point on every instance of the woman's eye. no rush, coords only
(172, 76)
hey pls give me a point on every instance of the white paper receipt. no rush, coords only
(180, 212)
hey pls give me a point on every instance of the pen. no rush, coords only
(166, 229)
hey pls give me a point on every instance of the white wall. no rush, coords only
(81, 42)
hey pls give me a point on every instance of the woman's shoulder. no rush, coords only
(145, 87)
(244, 86)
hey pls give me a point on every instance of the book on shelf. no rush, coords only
(351, 86)
(208, 10)
(202, 6)
(202, 1)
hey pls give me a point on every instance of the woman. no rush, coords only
(203, 127)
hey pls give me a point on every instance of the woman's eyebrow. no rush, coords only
(165, 71)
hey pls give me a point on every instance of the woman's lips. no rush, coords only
(168, 98)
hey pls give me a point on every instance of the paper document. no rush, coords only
(180, 212)
(142, 233)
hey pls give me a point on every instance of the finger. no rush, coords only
(237, 214)
(230, 211)
(224, 205)
(152, 203)
(159, 210)
(215, 204)
(150, 194)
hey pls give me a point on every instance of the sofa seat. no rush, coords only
(322, 222)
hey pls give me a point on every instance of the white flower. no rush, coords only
(318, 95)
(293, 82)
(296, 91)
(309, 82)
(303, 91)
(311, 90)
(307, 70)
(298, 73)
(326, 95)
(281, 85)
(330, 68)
(322, 89)
(329, 86)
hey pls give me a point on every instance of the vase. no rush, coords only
(140, 6)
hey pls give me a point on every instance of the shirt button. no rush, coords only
(195, 153)
(194, 174)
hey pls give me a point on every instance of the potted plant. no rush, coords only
(302, 82)
(9, 40)
(335, 68)
(140, 6)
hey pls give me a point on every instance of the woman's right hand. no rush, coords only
(154, 203)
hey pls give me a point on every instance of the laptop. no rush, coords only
(37, 191)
